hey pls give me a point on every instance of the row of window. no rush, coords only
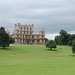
(24, 32)
(23, 36)
(25, 29)
(29, 36)
(27, 41)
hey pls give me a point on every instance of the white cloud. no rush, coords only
(51, 36)
(72, 32)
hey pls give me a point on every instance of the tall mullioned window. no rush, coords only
(30, 29)
(32, 36)
(42, 36)
(30, 32)
(23, 40)
(27, 29)
(23, 36)
(24, 28)
(27, 32)
(17, 31)
(24, 32)
(21, 28)
(17, 35)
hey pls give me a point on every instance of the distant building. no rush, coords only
(23, 34)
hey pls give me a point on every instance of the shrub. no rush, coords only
(51, 44)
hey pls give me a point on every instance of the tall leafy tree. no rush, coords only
(73, 47)
(64, 37)
(4, 38)
(57, 40)
(71, 38)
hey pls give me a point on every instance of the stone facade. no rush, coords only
(23, 34)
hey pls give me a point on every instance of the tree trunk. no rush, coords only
(50, 48)
(3, 47)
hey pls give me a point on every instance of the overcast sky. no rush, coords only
(51, 15)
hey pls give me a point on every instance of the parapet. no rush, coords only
(32, 25)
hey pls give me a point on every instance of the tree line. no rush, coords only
(63, 39)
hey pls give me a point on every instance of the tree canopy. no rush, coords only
(64, 38)
(4, 38)
(50, 44)
(73, 47)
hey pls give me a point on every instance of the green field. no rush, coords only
(36, 60)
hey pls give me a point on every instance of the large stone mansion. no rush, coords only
(24, 34)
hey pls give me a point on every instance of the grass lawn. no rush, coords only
(36, 60)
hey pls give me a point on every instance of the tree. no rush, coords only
(63, 32)
(64, 36)
(11, 40)
(71, 38)
(51, 44)
(4, 38)
(57, 40)
(46, 40)
(73, 47)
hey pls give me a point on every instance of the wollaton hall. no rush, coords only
(24, 34)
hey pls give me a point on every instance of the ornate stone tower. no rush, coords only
(42, 35)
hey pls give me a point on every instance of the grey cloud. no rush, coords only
(52, 15)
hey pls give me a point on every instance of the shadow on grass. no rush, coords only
(51, 50)
(73, 55)
(4, 49)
